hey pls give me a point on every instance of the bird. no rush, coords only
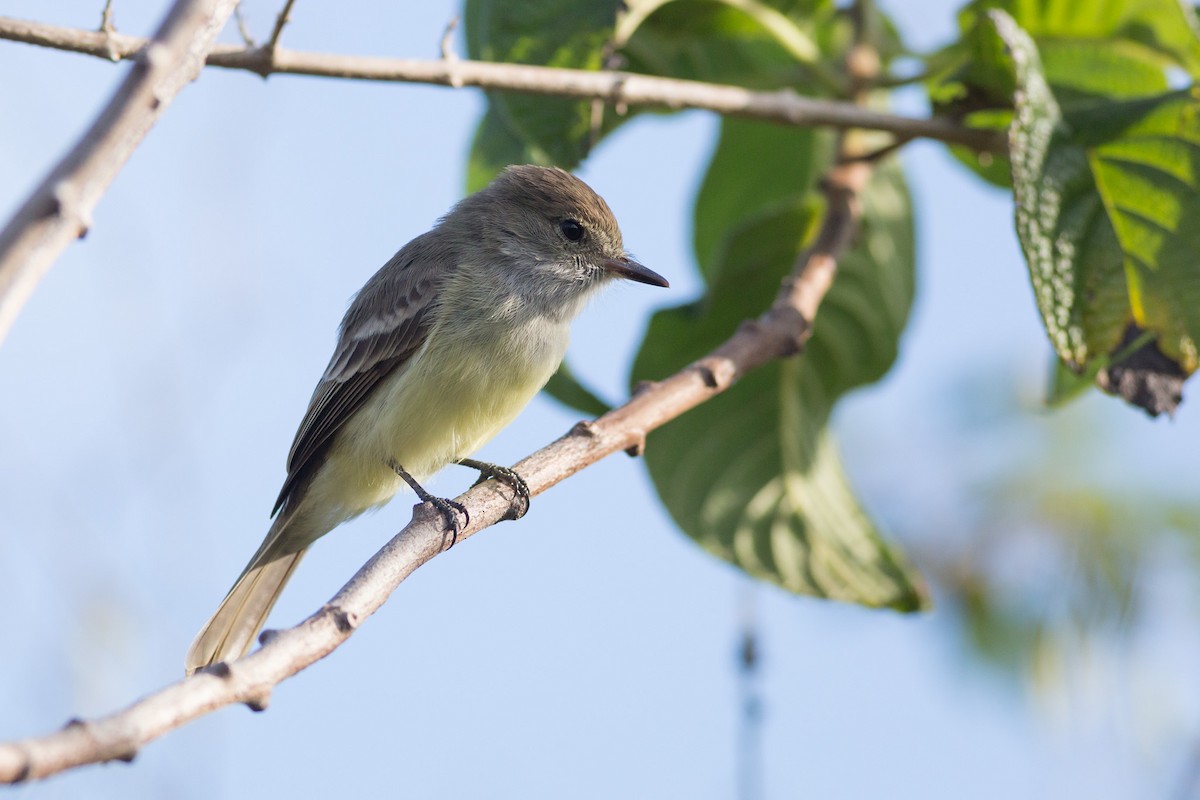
(438, 352)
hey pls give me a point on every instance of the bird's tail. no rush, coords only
(231, 631)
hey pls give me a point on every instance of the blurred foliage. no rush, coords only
(1050, 554)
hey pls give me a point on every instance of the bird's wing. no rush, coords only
(386, 324)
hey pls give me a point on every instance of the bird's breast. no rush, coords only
(459, 390)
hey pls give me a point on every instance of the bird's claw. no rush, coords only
(519, 506)
(450, 509)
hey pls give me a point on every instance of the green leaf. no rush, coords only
(1106, 203)
(495, 147)
(741, 184)
(564, 387)
(753, 475)
(773, 22)
(752, 43)
(1162, 32)
(1091, 53)
(553, 33)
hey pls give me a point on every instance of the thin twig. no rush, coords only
(106, 18)
(632, 89)
(285, 16)
(880, 153)
(60, 209)
(447, 48)
(780, 332)
(449, 57)
(243, 28)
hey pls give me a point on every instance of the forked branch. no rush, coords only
(60, 209)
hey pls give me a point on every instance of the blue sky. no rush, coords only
(152, 386)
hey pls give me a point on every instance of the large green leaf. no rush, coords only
(753, 475)
(764, 44)
(1152, 31)
(742, 182)
(1095, 51)
(552, 33)
(1091, 53)
(1106, 202)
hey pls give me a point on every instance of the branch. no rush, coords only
(619, 88)
(780, 332)
(285, 16)
(60, 209)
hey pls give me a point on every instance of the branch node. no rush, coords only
(285, 16)
(267, 635)
(708, 376)
(790, 323)
(108, 29)
(717, 374)
(641, 387)
(64, 203)
(258, 702)
(74, 722)
(752, 327)
(218, 670)
(639, 446)
(586, 428)
(345, 621)
(126, 756)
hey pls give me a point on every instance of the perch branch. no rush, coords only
(780, 332)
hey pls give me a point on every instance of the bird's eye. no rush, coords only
(571, 229)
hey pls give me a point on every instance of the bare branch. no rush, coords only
(243, 28)
(285, 16)
(617, 88)
(106, 18)
(60, 209)
(780, 332)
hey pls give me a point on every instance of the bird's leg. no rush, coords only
(447, 508)
(509, 477)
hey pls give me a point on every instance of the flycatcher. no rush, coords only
(437, 353)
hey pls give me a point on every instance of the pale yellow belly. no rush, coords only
(446, 404)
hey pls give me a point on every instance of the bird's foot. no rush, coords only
(449, 509)
(519, 506)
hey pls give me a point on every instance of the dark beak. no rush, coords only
(626, 267)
